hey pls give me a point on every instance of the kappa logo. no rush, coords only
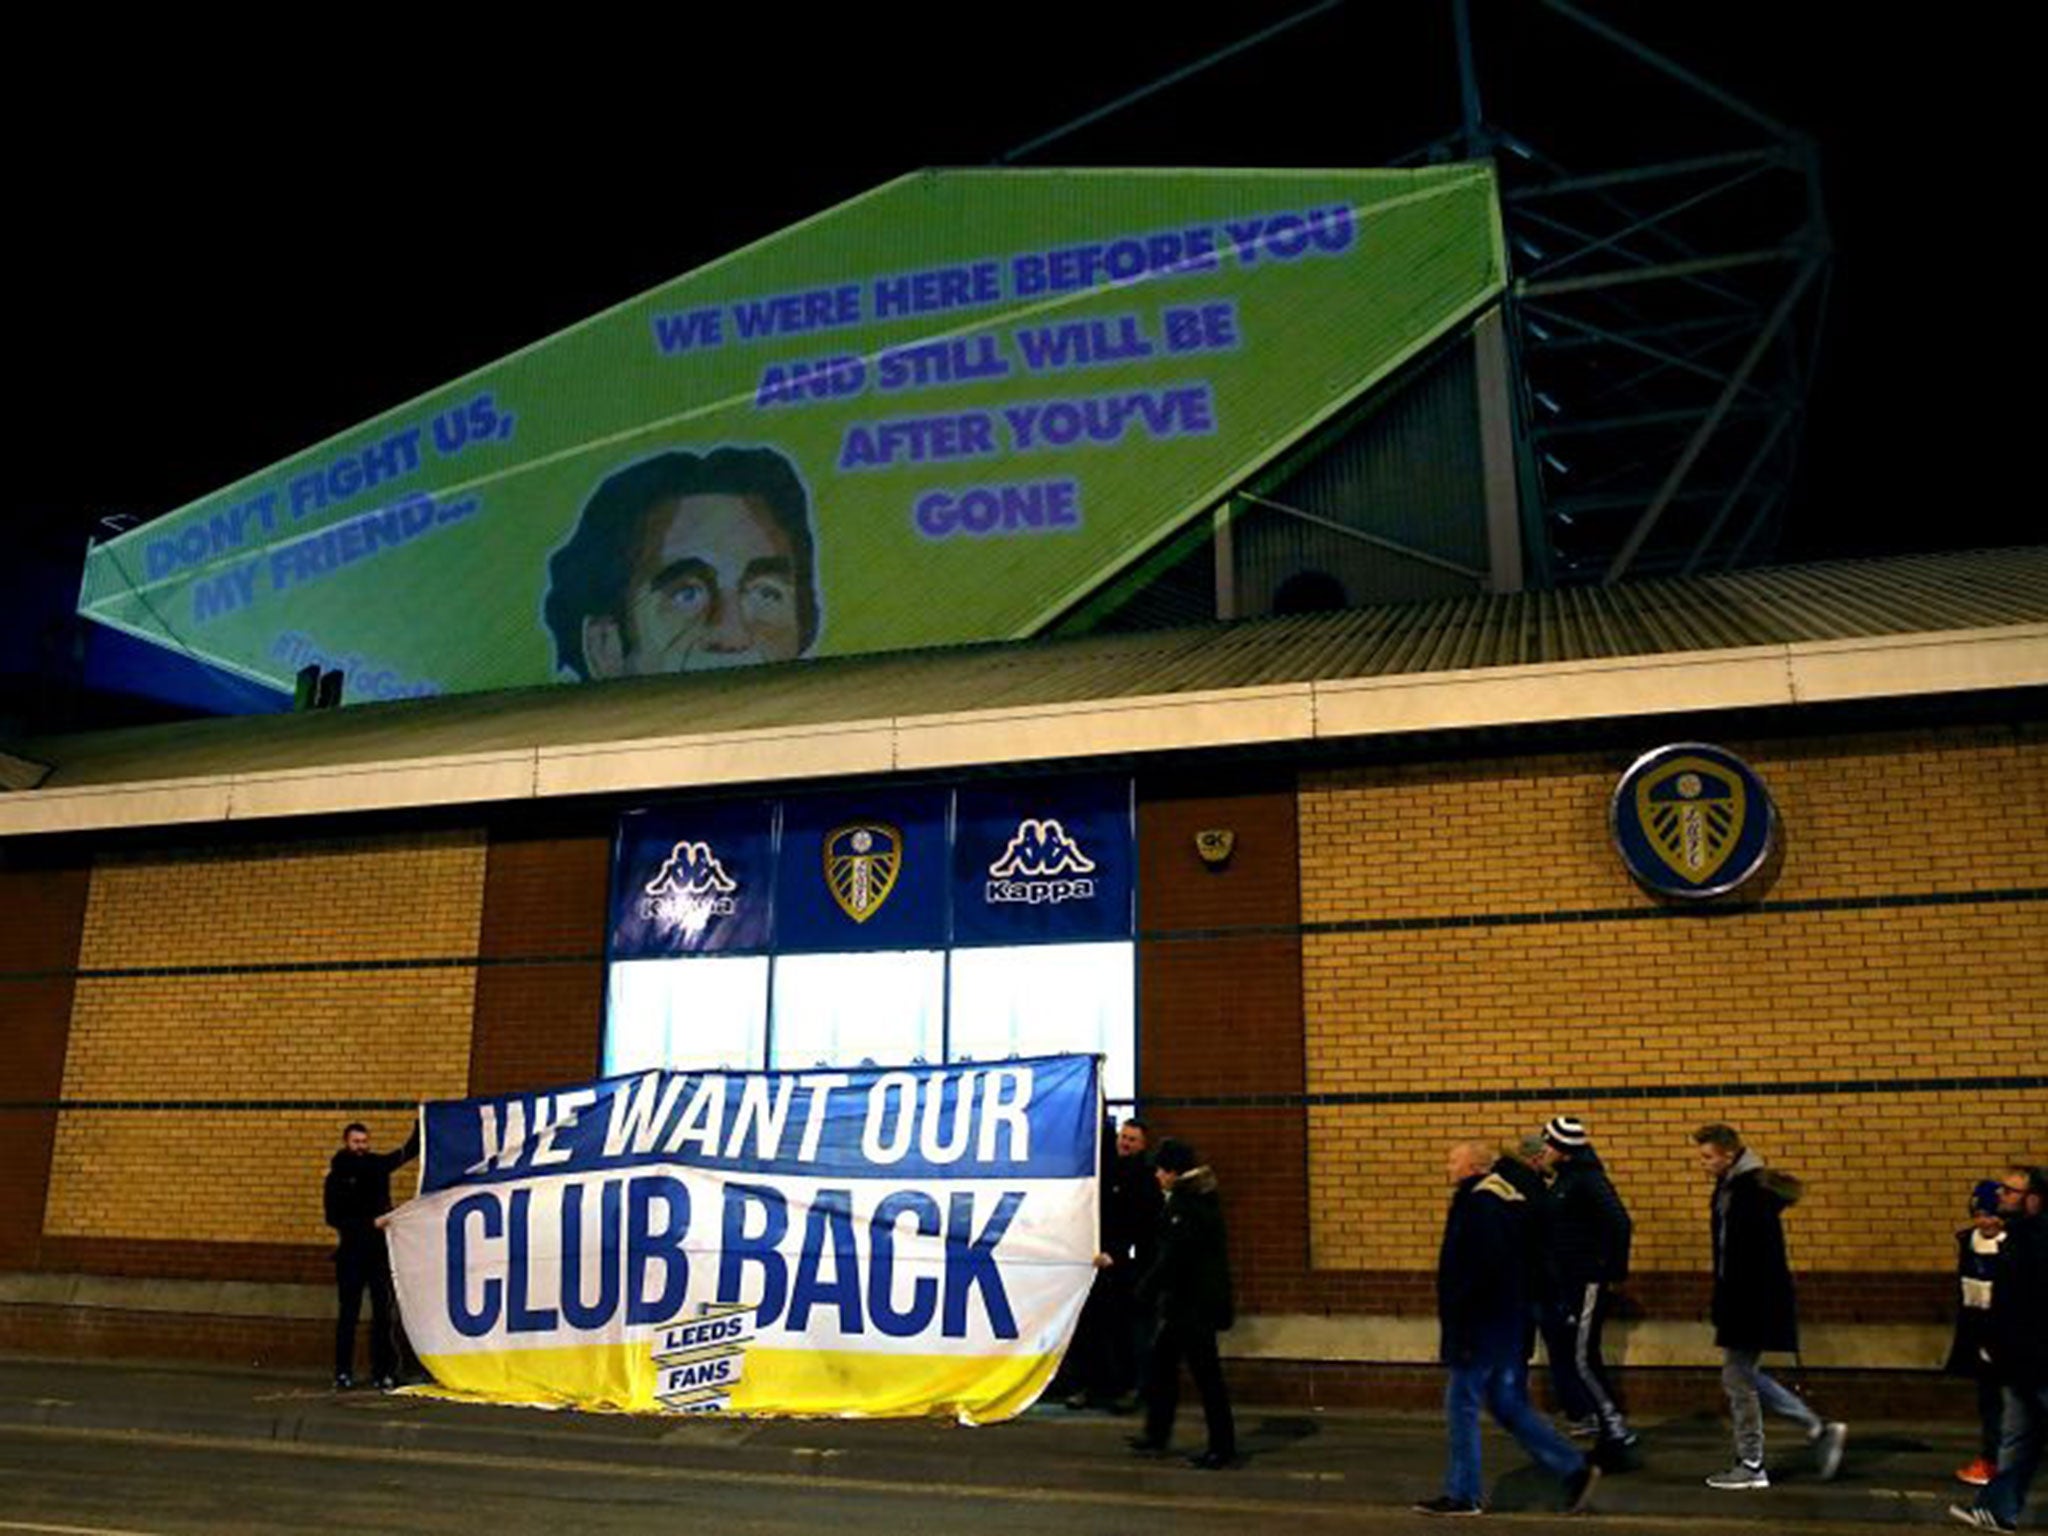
(862, 861)
(1041, 864)
(691, 889)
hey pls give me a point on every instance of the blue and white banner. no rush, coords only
(874, 1242)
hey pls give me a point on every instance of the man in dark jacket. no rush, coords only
(2019, 1350)
(357, 1192)
(1482, 1311)
(1106, 1351)
(1753, 1306)
(1188, 1288)
(1587, 1254)
(1524, 1167)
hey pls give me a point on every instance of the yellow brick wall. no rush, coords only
(1871, 993)
(257, 1032)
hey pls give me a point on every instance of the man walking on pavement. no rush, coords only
(1482, 1309)
(1588, 1253)
(2019, 1351)
(1188, 1287)
(356, 1193)
(1753, 1306)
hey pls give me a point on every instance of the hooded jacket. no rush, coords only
(1753, 1306)
(1189, 1278)
(1482, 1299)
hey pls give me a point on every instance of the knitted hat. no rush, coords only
(1566, 1133)
(1175, 1156)
(1984, 1198)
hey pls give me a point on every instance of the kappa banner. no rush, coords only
(874, 1242)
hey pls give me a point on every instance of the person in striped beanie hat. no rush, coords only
(1588, 1242)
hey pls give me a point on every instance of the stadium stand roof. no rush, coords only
(1760, 638)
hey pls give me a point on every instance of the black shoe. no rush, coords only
(1145, 1445)
(1444, 1504)
(385, 1384)
(1212, 1461)
(1578, 1488)
(343, 1382)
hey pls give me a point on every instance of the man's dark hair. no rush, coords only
(352, 1127)
(1175, 1156)
(1726, 1137)
(1141, 1125)
(587, 575)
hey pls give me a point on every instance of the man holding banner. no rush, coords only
(354, 1198)
(856, 1243)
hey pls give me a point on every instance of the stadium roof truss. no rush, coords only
(1663, 323)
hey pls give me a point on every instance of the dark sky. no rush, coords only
(228, 247)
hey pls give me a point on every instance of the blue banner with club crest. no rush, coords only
(862, 872)
(1032, 862)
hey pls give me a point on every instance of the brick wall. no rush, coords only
(234, 1005)
(1220, 1012)
(540, 992)
(42, 905)
(1895, 944)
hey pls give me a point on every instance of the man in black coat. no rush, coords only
(1188, 1287)
(1587, 1254)
(1105, 1356)
(1483, 1315)
(2018, 1348)
(356, 1193)
(1753, 1306)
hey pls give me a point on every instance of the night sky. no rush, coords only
(228, 247)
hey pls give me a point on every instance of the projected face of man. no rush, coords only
(713, 584)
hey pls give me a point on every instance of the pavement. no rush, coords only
(1895, 1472)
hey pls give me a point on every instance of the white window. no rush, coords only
(885, 1008)
(705, 1011)
(1042, 999)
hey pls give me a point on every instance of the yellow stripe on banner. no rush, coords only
(976, 1389)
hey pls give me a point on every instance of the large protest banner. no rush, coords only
(948, 410)
(875, 1242)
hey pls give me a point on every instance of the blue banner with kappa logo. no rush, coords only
(875, 1242)
(1043, 862)
(693, 879)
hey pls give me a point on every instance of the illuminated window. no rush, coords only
(1042, 999)
(887, 1008)
(699, 1012)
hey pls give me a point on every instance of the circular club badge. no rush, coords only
(1690, 820)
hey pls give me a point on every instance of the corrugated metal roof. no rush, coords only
(1836, 601)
